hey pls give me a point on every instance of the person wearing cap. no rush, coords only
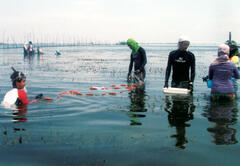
(234, 53)
(138, 57)
(18, 96)
(221, 72)
(181, 61)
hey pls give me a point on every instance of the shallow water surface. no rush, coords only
(139, 127)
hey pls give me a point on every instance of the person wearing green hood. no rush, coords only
(138, 57)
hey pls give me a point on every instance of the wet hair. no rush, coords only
(16, 76)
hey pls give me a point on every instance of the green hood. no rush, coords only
(134, 45)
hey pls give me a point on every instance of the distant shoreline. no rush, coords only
(41, 45)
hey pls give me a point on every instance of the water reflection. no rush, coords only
(223, 115)
(180, 110)
(137, 106)
(19, 115)
(40, 56)
(28, 58)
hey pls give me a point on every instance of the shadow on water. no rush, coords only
(180, 110)
(223, 114)
(137, 105)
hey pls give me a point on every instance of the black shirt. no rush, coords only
(180, 62)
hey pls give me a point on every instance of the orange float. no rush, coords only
(112, 85)
(117, 88)
(74, 92)
(133, 85)
(128, 88)
(48, 99)
(113, 93)
(104, 88)
(63, 93)
(93, 88)
(89, 94)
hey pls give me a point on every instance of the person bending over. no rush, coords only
(138, 57)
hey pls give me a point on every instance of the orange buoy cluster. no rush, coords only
(119, 88)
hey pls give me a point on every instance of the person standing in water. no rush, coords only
(138, 57)
(181, 61)
(234, 53)
(221, 72)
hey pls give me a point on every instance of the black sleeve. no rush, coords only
(193, 68)
(144, 57)
(130, 65)
(235, 73)
(210, 73)
(168, 69)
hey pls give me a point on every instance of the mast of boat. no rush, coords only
(230, 37)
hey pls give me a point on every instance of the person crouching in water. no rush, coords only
(181, 61)
(221, 72)
(138, 57)
(18, 96)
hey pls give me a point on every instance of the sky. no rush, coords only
(110, 21)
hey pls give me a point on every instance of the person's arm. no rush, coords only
(144, 58)
(130, 66)
(236, 73)
(168, 69)
(192, 68)
(210, 73)
(23, 97)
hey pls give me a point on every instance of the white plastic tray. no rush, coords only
(176, 90)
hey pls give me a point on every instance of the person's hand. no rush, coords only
(205, 79)
(166, 84)
(137, 71)
(129, 77)
(39, 96)
(190, 86)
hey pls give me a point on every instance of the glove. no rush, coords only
(129, 77)
(190, 86)
(166, 84)
(137, 71)
(39, 96)
(205, 79)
